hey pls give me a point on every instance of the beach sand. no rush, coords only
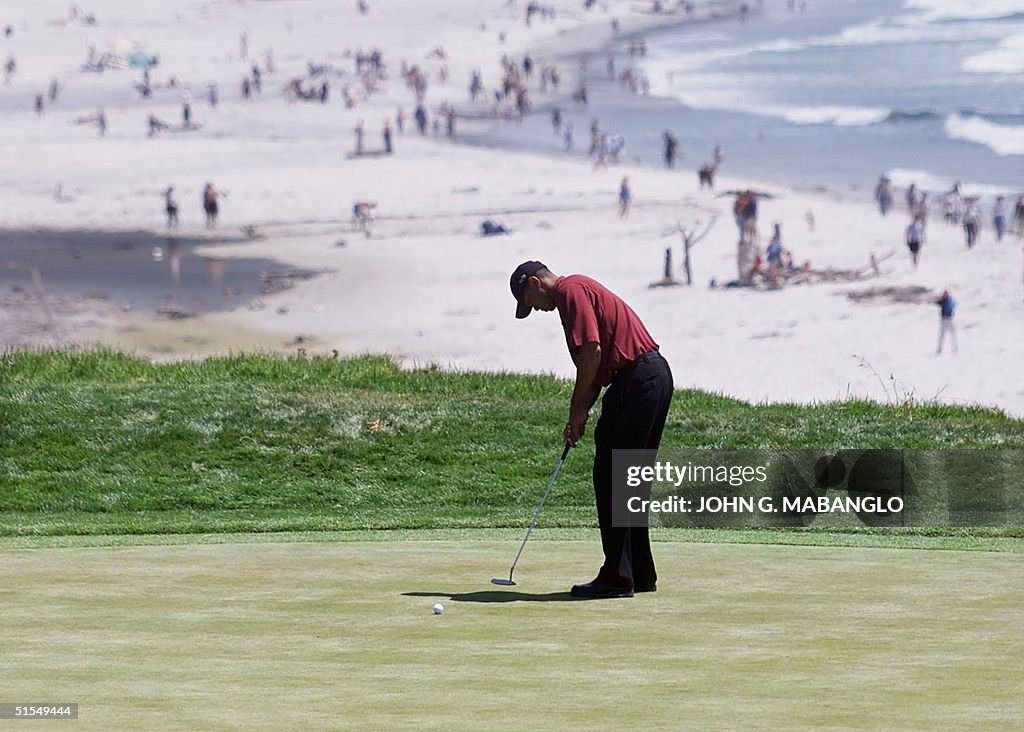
(426, 286)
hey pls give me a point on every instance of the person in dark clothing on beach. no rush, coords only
(420, 116)
(211, 207)
(883, 194)
(171, 207)
(915, 238)
(611, 348)
(947, 308)
(671, 149)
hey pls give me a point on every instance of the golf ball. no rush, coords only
(438, 609)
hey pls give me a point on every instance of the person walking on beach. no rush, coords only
(999, 217)
(556, 120)
(912, 198)
(671, 149)
(625, 197)
(101, 122)
(915, 238)
(171, 207)
(186, 108)
(1018, 215)
(567, 137)
(883, 194)
(449, 121)
(921, 208)
(211, 207)
(745, 209)
(360, 131)
(421, 119)
(387, 137)
(39, 106)
(610, 347)
(773, 255)
(972, 224)
(947, 308)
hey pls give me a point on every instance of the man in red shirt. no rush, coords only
(611, 348)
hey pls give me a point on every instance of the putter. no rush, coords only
(536, 515)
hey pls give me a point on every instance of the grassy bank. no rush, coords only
(102, 443)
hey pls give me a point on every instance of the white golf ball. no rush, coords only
(438, 609)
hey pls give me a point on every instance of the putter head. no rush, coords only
(503, 582)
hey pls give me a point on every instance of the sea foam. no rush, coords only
(1002, 139)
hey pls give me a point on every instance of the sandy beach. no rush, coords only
(425, 286)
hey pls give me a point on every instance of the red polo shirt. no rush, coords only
(591, 313)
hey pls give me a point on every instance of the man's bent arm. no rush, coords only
(585, 392)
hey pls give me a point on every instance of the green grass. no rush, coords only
(340, 635)
(102, 443)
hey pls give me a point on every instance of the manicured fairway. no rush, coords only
(303, 635)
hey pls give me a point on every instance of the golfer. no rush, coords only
(611, 348)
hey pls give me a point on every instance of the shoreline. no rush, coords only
(620, 103)
(617, 103)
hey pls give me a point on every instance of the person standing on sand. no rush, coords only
(421, 119)
(883, 194)
(359, 130)
(625, 197)
(947, 308)
(915, 238)
(999, 218)
(171, 207)
(210, 204)
(671, 149)
(1018, 215)
(186, 108)
(972, 224)
(567, 137)
(745, 209)
(611, 348)
(387, 137)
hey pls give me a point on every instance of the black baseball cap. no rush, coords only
(518, 283)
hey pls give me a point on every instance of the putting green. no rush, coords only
(341, 635)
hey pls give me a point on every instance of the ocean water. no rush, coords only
(930, 91)
(926, 91)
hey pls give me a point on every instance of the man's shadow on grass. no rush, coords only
(497, 596)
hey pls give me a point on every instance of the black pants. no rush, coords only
(633, 413)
